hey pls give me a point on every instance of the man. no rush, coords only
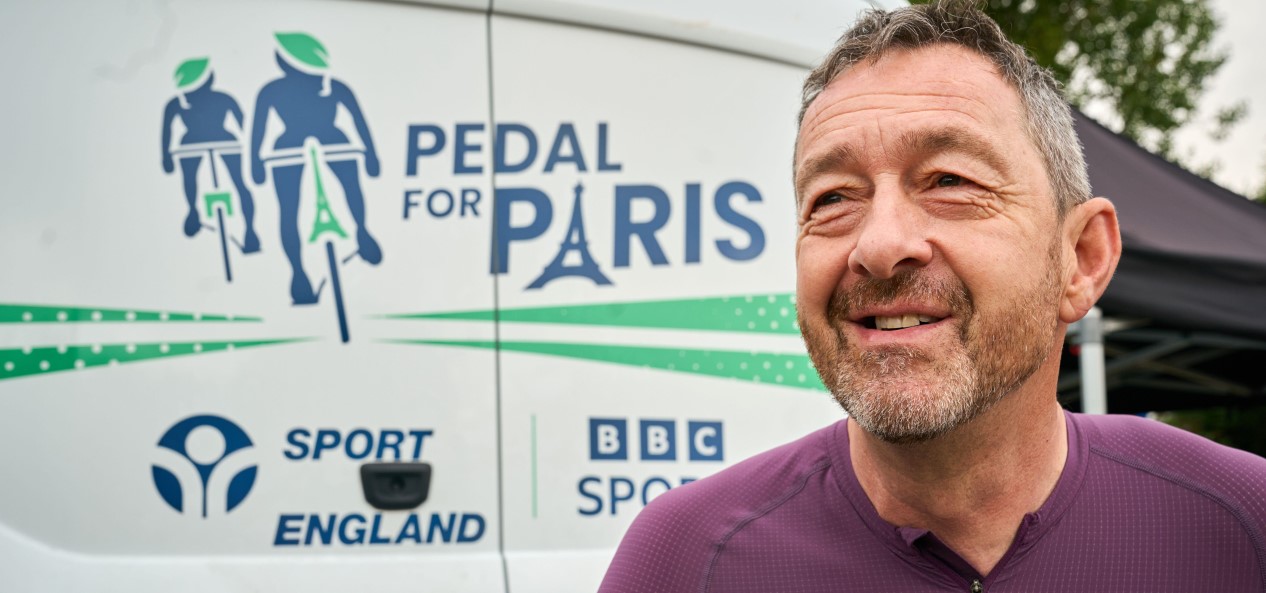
(947, 238)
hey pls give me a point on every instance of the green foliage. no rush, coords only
(1235, 427)
(1226, 118)
(304, 49)
(190, 71)
(1148, 60)
(1260, 195)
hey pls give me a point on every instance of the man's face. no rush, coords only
(929, 253)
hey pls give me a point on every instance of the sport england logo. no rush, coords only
(195, 449)
(296, 141)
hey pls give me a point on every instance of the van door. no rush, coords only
(645, 278)
(227, 228)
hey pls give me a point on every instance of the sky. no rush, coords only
(1243, 77)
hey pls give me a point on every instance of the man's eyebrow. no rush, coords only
(940, 140)
(953, 139)
(838, 157)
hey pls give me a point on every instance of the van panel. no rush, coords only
(583, 296)
(170, 414)
(790, 32)
(647, 323)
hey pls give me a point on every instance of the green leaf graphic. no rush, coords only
(190, 71)
(24, 313)
(764, 313)
(790, 370)
(304, 49)
(20, 362)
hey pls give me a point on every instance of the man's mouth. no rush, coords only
(895, 322)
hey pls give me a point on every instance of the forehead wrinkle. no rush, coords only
(947, 138)
(891, 100)
(812, 127)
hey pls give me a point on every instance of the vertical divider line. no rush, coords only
(496, 306)
(534, 489)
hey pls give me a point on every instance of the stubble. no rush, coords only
(908, 394)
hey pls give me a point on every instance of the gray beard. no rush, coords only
(899, 412)
(906, 395)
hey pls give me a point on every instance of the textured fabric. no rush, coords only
(1139, 507)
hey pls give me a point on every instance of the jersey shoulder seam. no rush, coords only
(719, 547)
(1254, 534)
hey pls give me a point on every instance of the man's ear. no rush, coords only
(1090, 229)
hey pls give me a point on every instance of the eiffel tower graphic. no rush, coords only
(574, 241)
(325, 221)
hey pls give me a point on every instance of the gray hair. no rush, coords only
(1049, 119)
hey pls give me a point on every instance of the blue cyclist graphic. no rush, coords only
(306, 101)
(205, 114)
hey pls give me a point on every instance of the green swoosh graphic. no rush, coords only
(766, 313)
(20, 313)
(791, 370)
(20, 362)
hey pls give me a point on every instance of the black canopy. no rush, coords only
(1191, 282)
(1195, 253)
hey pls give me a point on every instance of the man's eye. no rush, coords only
(949, 180)
(828, 199)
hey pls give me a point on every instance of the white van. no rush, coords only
(366, 296)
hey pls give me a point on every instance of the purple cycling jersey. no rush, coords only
(1139, 507)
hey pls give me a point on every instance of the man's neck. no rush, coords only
(973, 486)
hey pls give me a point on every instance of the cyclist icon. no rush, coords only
(204, 112)
(306, 100)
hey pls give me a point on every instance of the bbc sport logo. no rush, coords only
(609, 440)
(205, 469)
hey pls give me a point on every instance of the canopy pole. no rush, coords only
(1094, 392)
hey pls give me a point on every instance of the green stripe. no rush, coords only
(20, 313)
(792, 370)
(20, 362)
(764, 313)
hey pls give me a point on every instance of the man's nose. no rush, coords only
(892, 238)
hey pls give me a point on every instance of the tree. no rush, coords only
(1146, 60)
(1260, 195)
(1239, 427)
